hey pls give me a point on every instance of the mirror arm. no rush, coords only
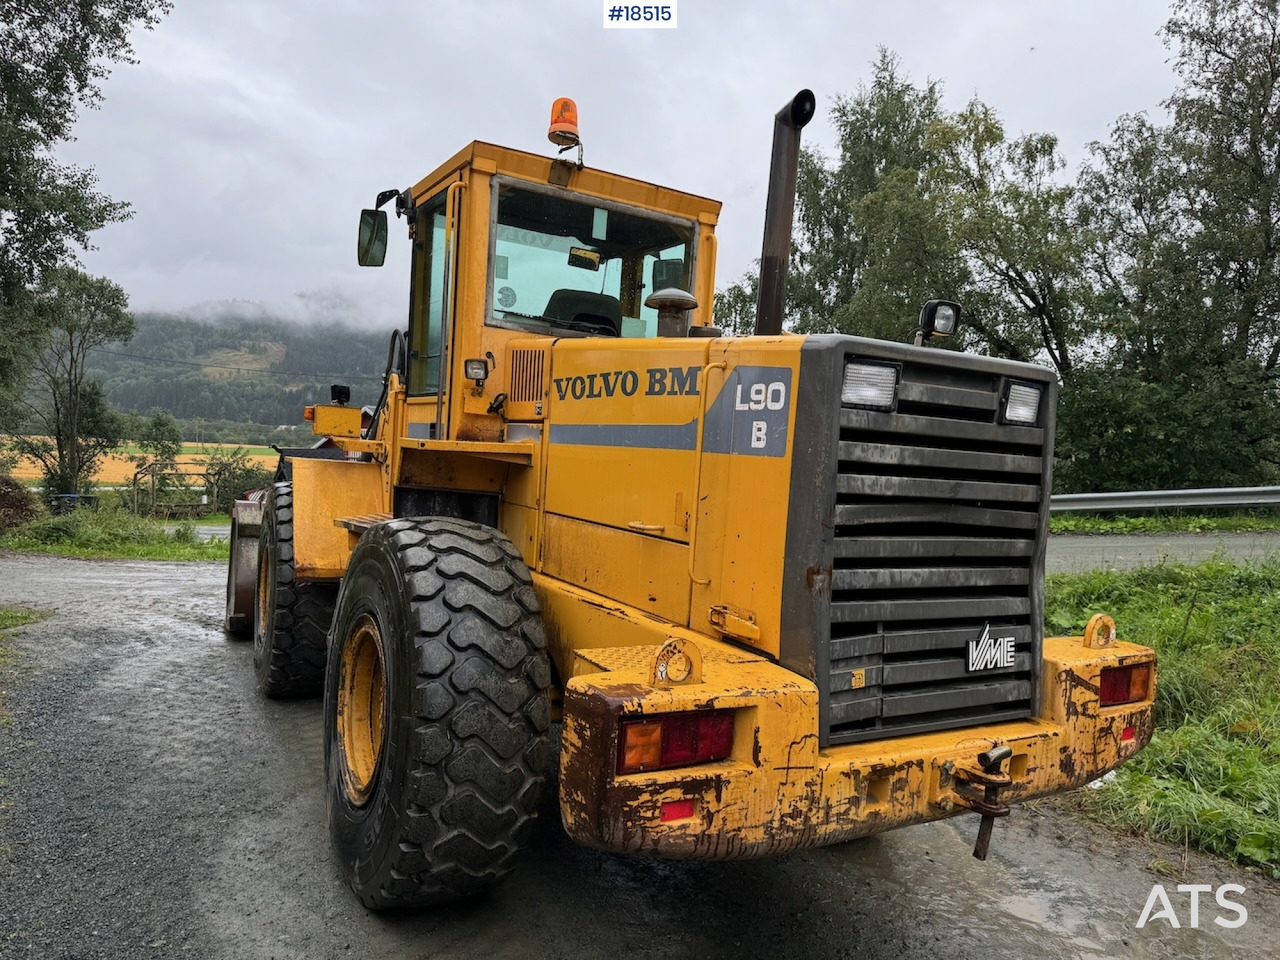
(404, 204)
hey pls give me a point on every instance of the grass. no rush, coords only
(1211, 776)
(1176, 522)
(11, 617)
(113, 535)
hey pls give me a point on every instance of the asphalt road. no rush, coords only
(1072, 554)
(153, 805)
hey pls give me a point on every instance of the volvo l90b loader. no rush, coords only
(778, 590)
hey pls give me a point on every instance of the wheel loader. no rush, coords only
(773, 591)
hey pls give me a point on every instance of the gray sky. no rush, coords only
(248, 137)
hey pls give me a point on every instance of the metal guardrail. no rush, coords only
(1152, 499)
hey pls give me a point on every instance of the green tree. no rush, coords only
(1016, 227)
(159, 437)
(881, 132)
(235, 475)
(1179, 224)
(53, 56)
(920, 203)
(72, 423)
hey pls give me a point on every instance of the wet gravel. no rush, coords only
(152, 805)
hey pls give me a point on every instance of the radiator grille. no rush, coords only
(936, 518)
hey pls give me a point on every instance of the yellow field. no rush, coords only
(117, 470)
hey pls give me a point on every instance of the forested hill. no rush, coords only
(236, 370)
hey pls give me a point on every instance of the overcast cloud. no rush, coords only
(253, 131)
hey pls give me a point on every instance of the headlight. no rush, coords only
(1022, 403)
(870, 385)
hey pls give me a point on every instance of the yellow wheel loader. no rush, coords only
(779, 590)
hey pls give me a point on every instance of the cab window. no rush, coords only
(426, 316)
(568, 266)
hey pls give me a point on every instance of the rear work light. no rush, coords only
(1125, 684)
(674, 740)
(870, 384)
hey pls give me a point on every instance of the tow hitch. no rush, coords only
(990, 780)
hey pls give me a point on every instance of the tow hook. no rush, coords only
(992, 781)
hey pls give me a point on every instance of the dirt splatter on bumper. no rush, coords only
(778, 791)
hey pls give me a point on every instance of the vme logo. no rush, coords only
(990, 653)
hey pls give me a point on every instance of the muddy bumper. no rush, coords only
(779, 791)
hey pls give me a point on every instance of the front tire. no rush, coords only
(436, 712)
(290, 619)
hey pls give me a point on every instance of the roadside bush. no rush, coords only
(17, 504)
(1211, 775)
(109, 533)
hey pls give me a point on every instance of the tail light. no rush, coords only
(674, 740)
(1125, 684)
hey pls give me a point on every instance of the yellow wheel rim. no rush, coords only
(362, 697)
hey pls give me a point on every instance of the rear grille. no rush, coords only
(936, 517)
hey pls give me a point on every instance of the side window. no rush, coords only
(426, 305)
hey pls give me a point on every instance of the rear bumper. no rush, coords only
(780, 792)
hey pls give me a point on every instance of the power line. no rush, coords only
(220, 366)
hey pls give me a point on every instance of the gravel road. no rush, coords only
(152, 805)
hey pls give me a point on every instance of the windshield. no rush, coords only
(572, 266)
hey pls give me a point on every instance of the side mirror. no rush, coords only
(371, 248)
(668, 274)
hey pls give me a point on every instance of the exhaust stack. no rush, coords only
(780, 210)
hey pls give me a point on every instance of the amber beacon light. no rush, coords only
(563, 131)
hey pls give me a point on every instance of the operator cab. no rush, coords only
(510, 245)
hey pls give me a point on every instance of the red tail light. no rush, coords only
(1124, 684)
(674, 740)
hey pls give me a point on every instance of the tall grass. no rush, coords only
(1211, 775)
(111, 534)
(1240, 521)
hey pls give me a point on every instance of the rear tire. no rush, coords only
(436, 712)
(290, 619)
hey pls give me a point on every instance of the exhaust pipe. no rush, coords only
(779, 211)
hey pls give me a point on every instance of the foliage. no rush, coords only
(1211, 776)
(17, 505)
(221, 376)
(158, 438)
(1121, 430)
(1177, 522)
(157, 446)
(920, 203)
(53, 56)
(74, 425)
(235, 476)
(113, 534)
(1179, 226)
